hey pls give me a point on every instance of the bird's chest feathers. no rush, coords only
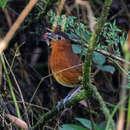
(59, 61)
(63, 60)
(62, 66)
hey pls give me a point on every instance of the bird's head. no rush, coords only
(57, 39)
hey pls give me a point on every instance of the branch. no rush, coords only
(15, 26)
(86, 82)
(47, 116)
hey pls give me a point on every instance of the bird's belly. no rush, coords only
(67, 80)
(63, 70)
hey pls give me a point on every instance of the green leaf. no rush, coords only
(85, 122)
(78, 50)
(98, 127)
(3, 3)
(72, 35)
(128, 85)
(71, 127)
(98, 58)
(107, 68)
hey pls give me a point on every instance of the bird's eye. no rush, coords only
(59, 38)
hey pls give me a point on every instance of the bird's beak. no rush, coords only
(45, 40)
(47, 37)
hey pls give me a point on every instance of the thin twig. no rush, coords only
(20, 92)
(15, 26)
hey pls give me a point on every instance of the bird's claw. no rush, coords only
(63, 102)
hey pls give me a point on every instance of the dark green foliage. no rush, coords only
(3, 3)
(85, 125)
(110, 37)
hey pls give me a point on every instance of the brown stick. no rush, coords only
(15, 26)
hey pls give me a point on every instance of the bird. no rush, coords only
(65, 65)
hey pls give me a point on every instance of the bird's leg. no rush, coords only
(68, 97)
(73, 94)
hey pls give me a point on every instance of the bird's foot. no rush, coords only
(67, 98)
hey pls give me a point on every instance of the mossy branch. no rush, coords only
(82, 95)
(93, 44)
(103, 107)
(47, 116)
(86, 82)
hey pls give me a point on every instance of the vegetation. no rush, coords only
(28, 92)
